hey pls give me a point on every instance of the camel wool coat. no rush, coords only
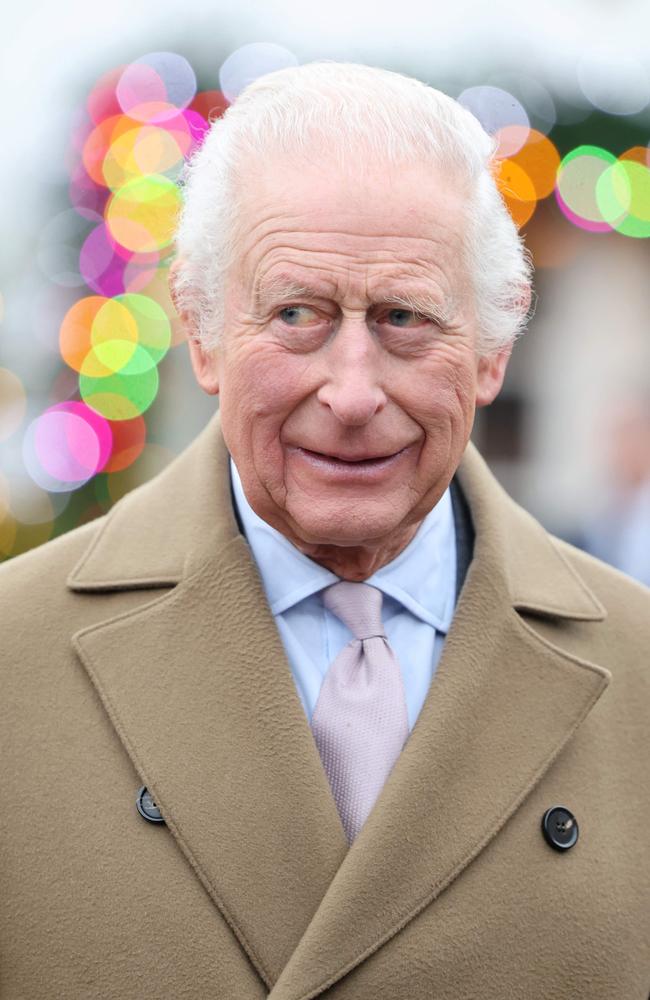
(139, 650)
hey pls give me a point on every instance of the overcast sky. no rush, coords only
(51, 53)
(49, 50)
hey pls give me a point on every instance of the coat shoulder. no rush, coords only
(47, 565)
(619, 593)
(622, 639)
(38, 612)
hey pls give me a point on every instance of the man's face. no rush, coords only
(347, 371)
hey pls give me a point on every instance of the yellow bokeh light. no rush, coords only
(145, 150)
(142, 215)
(114, 337)
(4, 497)
(8, 528)
(13, 403)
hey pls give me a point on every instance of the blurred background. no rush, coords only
(102, 105)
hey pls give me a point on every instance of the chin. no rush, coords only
(342, 528)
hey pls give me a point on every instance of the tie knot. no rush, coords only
(358, 605)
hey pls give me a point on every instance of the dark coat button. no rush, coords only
(147, 807)
(560, 828)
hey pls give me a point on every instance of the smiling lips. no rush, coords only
(352, 469)
(361, 457)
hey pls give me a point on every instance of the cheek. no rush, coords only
(262, 382)
(447, 389)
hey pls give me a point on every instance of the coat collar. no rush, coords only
(162, 530)
(536, 575)
(198, 688)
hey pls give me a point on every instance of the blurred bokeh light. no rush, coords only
(78, 386)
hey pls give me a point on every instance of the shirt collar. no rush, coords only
(422, 577)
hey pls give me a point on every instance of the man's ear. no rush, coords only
(205, 363)
(491, 369)
(490, 373)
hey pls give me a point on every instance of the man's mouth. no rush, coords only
(363, 458)
(352, 467)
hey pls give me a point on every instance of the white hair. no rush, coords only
(388, 115)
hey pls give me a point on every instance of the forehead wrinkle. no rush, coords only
(278, 286)
(346, 261)
(420, 279)
(416, 290)
(309, 278)
(330, 243)
(426, 288)
(270, 227)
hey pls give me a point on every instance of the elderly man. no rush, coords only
(320, 711)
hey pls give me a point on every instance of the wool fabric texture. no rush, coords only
(139, 649)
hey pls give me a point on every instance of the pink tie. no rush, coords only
(360, 721)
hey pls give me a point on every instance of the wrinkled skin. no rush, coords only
(320, 353)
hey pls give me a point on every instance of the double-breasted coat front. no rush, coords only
(140, 650)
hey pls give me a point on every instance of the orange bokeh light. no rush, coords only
(639, 154)
(76, 329)
(99, 142)
(517, 190)
(129, 438)
(540, 160)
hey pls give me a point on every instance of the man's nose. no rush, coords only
(352, 387)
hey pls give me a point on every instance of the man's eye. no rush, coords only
(298, 316)
(403, 318)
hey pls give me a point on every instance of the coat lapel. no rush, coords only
(199, 689)
(501, 706)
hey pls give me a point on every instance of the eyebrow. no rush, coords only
(423, 305)
(280, 290)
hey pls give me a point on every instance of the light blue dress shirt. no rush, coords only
(419, 588)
